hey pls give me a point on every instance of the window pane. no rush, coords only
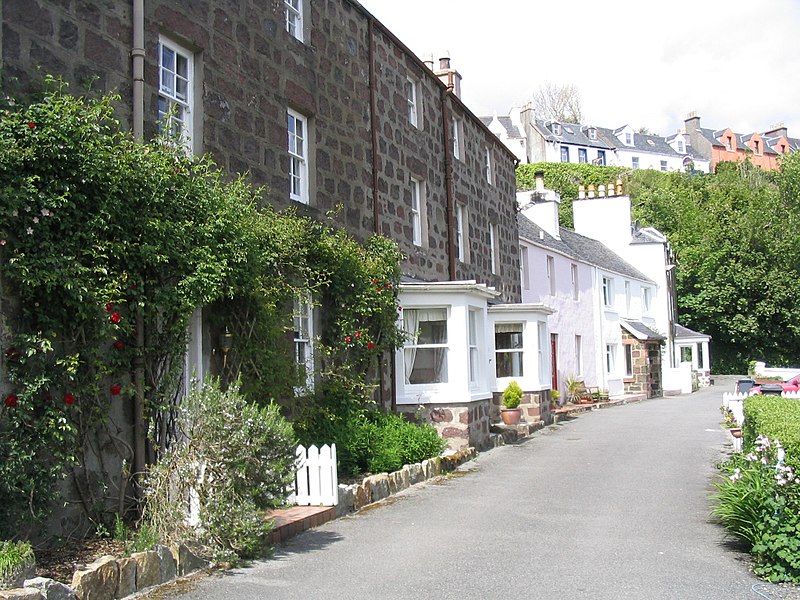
(507, 341)
(429, 365)
(509, 364)
(432, 332)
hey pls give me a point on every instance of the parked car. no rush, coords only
(790, 385)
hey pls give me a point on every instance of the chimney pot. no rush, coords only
(591, 190)
(444, 61)
(539, 178)
(601, 191)
(581, 192)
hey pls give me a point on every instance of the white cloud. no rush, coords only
(646, 64)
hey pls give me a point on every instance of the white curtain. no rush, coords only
(411, 326)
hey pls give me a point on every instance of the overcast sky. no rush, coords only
(646, 64)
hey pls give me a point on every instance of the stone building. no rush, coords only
(323, 105)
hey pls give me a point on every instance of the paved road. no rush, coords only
(612, 505)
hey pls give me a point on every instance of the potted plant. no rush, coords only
(555, 396)
(729, 422)
(574, 388)
(512, 396)
(17, 563)
(603, 396)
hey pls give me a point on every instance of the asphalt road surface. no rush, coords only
(611, 505)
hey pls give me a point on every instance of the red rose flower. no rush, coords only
(69, 399)
(370, 345)
(115, 317)
(379, 288)
(374, 281)
(119, 345)
(347, 339)
(11, 400)
(388, 286)
(31, 124)
(115, 390)
(109, 307)
(358, 334)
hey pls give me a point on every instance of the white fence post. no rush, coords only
(316, 483)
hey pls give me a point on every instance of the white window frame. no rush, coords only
(635, 162)
(680, 146)
(456, 137)
(523, 267)
(601, 157)
(514, 350)
(417, 207)
(493, 248)
(294, 18)
(556, 128)
(176, 108)
(573, 271)
(489, 166)
(628, 351)
(592, 133)
(611, 359)
(298, 156)
(627, 296)
(473, 340)
(629, 139)
(303, 323)
(583, 155)
(412, 344)
(551, 274)
(564, 154)
(646, 300)
(460, 237)
(663, 165)
(578, 355)
(543, 348)
(608, 292)
(412, 99)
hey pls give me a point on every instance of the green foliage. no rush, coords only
(512, 395)
(735, 236)
(367, 440)
(776, 418)
(238, 458)
(759, 502)
(565, 178)
(97, 231)
(14, 557)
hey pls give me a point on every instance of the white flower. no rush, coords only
(29, 230)
(35, 220)
(27, 209)
(46, 213)
(751, 457)
(15, 213)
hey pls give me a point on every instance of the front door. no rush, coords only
(554, 360)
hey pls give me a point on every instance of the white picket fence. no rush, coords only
(316, 483)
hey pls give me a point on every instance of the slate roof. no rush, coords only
(571, 133)
(641, 142)
(512, 130)
(741, 139)
(578, 247)
(685, 332)
(640, 331)
(647, 235)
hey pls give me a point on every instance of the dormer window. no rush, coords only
(757, 145)
(629, 139)
(680, 146)
(556, 128)
(729, 143)
(592, 133)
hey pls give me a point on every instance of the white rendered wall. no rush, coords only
(572, 317)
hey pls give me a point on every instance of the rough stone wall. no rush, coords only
(638, 383)
(461, 424)
(655, 386)
(535, 406)
(249, 70)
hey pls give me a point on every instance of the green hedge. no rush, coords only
(777, 418)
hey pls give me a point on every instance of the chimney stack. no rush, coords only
(447, 75)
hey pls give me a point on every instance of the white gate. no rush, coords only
(315, 483)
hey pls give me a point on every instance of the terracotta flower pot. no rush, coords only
(511, 416)
(736, 432)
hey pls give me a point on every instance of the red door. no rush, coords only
(554, 359)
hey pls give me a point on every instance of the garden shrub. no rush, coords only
(367, 439)
(776, 418)
(237, 457)
(759, 502)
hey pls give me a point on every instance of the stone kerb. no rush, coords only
(108, 577)
(374, 488)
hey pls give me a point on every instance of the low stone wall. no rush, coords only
(108, 577)
(461, 425)
(535, 406)
(374, 488)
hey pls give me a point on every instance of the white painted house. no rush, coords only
(604, 307)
